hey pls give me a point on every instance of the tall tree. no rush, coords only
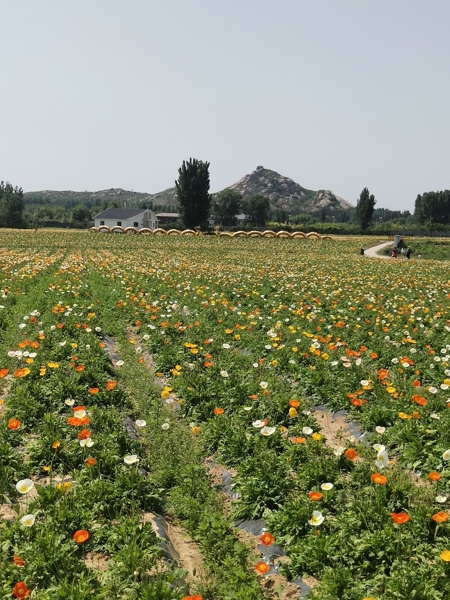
(256, 208)
(433, 207)
(11, 206)
(194, 199)
(227, 205)
(365, 208)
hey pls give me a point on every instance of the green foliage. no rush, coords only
(432, 207)
(256, 208)
(11, 206)
(81, 214)
(365, 208)
(227, 205)
(193, 193)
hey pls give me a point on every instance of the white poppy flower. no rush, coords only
(395, 361)
(79, 414)
(307, 430)
(268, 347)
(339, 451)
(226, 346)
(446, 455)
(141, 423)
(248, 435)
(69, 402)
(358, 361)
(334, 363)
(317, 518)
(435, 416)
(248, 407)
(441, 499)
(130, 459)
(28, 520)
(364, 382)
(165, 426)
(268, 430)
(380, 429)
(258, 423)
(224, 373)
(382, 460)
(87, 443)
(24, 486)
(119, 363)
(264, 385)
(327, 486)
(379, 447)
(432, 390)
(444, 386)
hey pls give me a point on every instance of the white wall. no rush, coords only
(139, 219)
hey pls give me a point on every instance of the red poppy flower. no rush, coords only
(90, 461)
(315, 496)
(400, 518)
(262, 567)
(3, 373)
(81, 536)
(267, 539)
(14, 424)
(434, 476)
(84, 434)
(351, 454)
(20, 590)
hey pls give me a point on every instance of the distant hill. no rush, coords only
(286, 194)
(283, 193)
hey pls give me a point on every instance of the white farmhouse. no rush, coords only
(126, 217)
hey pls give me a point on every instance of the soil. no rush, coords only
(333, 429)
(97, 561)
(190, 557)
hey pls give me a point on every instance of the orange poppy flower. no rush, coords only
(80, 368)
(262, 567)
(315, 496)
(267, 539)
(299, 440)
(207, 363)
(90, 461)
(379, 479)
(19, 562)
(253, 397)
(440, 517)
(400, 518)
(20, 590)
(192, 598)
(77, 408)
(434, 476)
(34, 345)
(351, 454)
(218, 411)
(373, 355)
(359, 402)
(60, 325)
(21, 373)
(3, 373)
(294, 403)
(416, 383)
(84, 434)
(81, 536)
(419, 400)
(110, 385)
(382, 374)
(76, 422)
(94, 390)
(14, 424)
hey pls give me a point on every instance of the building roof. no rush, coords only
(120, 213)
(168, 215)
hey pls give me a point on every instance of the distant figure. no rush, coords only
(362, 251)
(419, 256)
(408, 253)
(402, 250)
(394, 253)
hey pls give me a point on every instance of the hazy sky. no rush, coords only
(336, 94)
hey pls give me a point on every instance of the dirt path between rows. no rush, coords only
(372, 252)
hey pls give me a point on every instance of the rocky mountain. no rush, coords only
(286, 194)
(283, 193)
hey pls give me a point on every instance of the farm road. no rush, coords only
(372, 252)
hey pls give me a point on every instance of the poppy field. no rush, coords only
(129, 363)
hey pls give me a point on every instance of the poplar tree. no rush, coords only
(365, 208)
(194, 199)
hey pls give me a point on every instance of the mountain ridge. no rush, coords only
(283, 193)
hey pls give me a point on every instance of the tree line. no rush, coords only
(196, 206)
